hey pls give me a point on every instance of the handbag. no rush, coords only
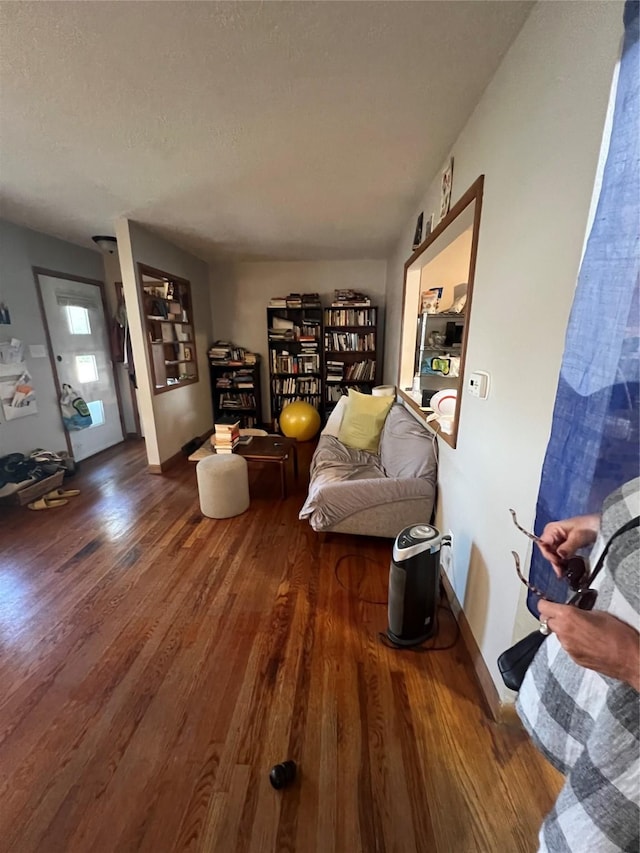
(75, 412)
(515, 661)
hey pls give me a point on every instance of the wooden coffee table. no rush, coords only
(272, 448)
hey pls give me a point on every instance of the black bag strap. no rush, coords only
(634, 522)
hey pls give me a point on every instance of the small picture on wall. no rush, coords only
(417, 236)
(445, 189)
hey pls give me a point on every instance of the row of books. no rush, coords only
(350, 341)
(295, 300)
(350, 317)
(302, 363)
(238, 379)
(360, 370)
(296, 333)
(280, 402)
(237, 401)
(296, 385)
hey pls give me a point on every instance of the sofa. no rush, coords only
(373, 494)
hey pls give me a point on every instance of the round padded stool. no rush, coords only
(223, 485)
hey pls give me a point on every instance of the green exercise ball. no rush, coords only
(299, 420)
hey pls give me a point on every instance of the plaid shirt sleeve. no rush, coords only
(586, 724)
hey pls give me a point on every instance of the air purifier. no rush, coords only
(414, 580)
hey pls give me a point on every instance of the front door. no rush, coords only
(75, 317)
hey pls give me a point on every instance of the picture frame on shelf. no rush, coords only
(188, 354)
(429, 225)
(446, 185)
(417, 234)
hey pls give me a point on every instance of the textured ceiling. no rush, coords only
(286, 130)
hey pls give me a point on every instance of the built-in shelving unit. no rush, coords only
(168, 315)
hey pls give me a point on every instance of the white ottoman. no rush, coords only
(223, 485)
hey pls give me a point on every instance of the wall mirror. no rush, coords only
(167, 312)
(437, 298)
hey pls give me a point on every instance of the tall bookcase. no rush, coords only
(235, 390)
(350, 351)
(295, 355)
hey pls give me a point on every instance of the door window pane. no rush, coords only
(86, 368)
(97, 413)
(78, 320)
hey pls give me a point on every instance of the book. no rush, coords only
(244, 440)
(227, 422)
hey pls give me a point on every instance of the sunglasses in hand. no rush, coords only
(575, 569)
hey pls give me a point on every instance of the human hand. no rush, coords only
(561, 539)
(596, 640)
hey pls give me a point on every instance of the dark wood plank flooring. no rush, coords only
(155, 664)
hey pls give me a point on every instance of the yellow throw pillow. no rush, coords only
(363, 420)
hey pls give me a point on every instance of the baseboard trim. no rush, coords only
(501, 712)
(168, 463)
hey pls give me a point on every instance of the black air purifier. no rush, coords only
(414, 580)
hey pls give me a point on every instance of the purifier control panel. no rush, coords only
(416, 539)
(417, 533)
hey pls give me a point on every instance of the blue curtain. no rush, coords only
(594, 445)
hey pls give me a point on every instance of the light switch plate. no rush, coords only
(478, 384)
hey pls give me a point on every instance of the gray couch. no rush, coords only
(352, 491)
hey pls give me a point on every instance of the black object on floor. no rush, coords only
(283, 774)
(191, 446)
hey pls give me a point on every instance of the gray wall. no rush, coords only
(20, 250)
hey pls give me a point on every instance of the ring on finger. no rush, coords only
(544, 626)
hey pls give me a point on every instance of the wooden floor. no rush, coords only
(156, 663)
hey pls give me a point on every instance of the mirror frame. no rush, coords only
(473, 194)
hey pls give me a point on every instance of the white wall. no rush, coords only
(20, 250)
(172, 418)
(535, 135)
(241, 293)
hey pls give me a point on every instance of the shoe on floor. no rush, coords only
(62, 493)
(46, 503)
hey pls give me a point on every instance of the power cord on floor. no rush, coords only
(346, 588)
(384, 639)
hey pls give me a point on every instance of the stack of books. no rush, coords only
(347, 297)
(278, 302)
(227, 434)
(224, 352)
(310, 300)
(335, 370)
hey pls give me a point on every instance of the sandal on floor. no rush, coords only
(45, 503)
(61, 493)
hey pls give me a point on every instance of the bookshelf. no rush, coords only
(235, 384)
(294, 333)
(168, 318)
(350, 338)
